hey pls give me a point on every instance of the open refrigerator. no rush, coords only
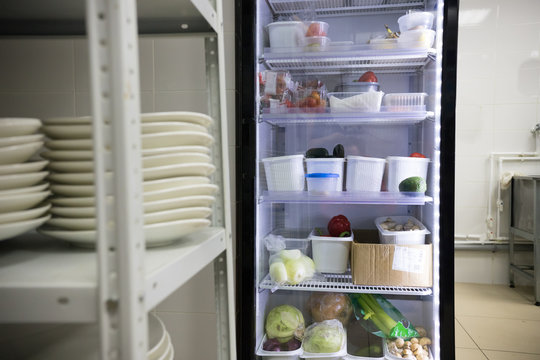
(346, 107)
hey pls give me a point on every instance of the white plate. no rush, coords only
(176, 149)
(68, 155)
(174, 159)
(16, 216)
(189, 190)
(177, 138)
(21, 201)
(188, 116)
(19, 153)
(74, 212)
(179, 202)
(72, 223)
(155, 234)
(190, 169)
(22, 168)
(18, 140)
(68, 120)
(169, 353)
(162, 184)
(73, 144)
(72, 190)
(76, 178)
(75, 201)
(8, 231)
(72, 166)
(161, 349)
(18, 126)
(68, 131)
(170, 126)
(25, 190)
(17, 181)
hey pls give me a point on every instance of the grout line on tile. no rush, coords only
(469, 335)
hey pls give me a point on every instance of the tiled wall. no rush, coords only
(498, 102)
(49, 77)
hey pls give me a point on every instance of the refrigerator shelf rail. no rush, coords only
(344, 7)
(333, 63)
(297, 116)
(343, 283)
(344, 197)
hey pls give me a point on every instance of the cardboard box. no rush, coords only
(390, 265)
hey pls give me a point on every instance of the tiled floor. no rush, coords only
(495, 322)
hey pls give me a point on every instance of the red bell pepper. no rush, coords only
(339, 226)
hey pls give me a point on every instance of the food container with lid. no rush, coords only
(400, 237)
(322, 183)
(404, 102)
(357, 87)
(327, 165)
(364, 173)
(350, 101)
(284, 173)
(317, 43)
(415, 21)
(286, 35)
(316, 28)
(416, 39)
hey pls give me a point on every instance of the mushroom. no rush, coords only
(425, 341)
(400, 343)
(407, 344)
(421, 331)
(416, 347)
(414, 341)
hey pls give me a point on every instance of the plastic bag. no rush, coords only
(329, 306)
(277, 89)
(324, 337)
(381, 318)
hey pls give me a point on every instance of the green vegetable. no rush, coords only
(284, 322)
(324, 337)
(413, 184)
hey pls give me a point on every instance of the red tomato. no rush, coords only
(368, 76)
(418, 155)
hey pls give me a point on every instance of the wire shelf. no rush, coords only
(345, 197)
(343, 283)
(344, 7)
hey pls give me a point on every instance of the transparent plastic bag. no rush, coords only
(329, 306)
(324, 337)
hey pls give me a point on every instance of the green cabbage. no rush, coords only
(324, 337)
(284, 322)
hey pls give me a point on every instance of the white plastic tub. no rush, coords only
(401, 167)
(364, 173)
(359, 102)
(399, 102)
(327, 356)
(285, 173)
(286, 35)
(416, 39)
(278, 355)
(330, 254)
(415, 21)
(322, 183)
(412, 237)
(328, 165)
(356, 87)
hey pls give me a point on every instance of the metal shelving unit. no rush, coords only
(115, 286)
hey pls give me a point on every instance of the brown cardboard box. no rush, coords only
(389, 265)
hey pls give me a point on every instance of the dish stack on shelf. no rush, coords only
(22, 189)
(176, 184)
(81, 342)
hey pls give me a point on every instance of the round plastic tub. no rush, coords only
(401, 167)
(316, 28)
(285, 35)
(357, 86)
(317, 43)
(415, 21)
(364, 173)
(327, 165)
(416, 39)
(330, 254)
(322, 183)
(285, 173)
(413, 237)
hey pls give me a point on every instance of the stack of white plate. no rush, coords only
(53, 342)
(22, 186)
(176, 168)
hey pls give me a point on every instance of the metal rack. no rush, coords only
(381, 198)
(122, 281)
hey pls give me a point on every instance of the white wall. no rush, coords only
(498, 102)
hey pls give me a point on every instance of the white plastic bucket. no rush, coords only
(364, 173)
(285, 35)
(401, 168)
(327, 165)
(285, 173)
(330, 254)
(414, 237)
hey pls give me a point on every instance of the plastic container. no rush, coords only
(328, 165)
(317, 43)
(357, 87)
(316, 28)
(322, 183)
(330, 254)
(388, 355)
(364, 173)
(286, 35)
(278, 355)
(411, 237)
(416, 39)
(285, 173)
(292, 239)
(362, 101)
(401, 167)
(400, 102)
(415, 21)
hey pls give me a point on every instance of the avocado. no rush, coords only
(317, 153)
(413, 184)
(339, 151)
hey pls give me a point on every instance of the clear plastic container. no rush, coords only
(330, 254)
(384, 43)
(322, 183)
(364, 173)
(317, 43)
(416, 39)
(286, 35)
(356, 87)
(415, 21)
(316, 28)
(363, 101)
(402, 102)
(327, 165)
(292, 239)
(278, 355)
(284, 173)
(402, 167)
(410, 237)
